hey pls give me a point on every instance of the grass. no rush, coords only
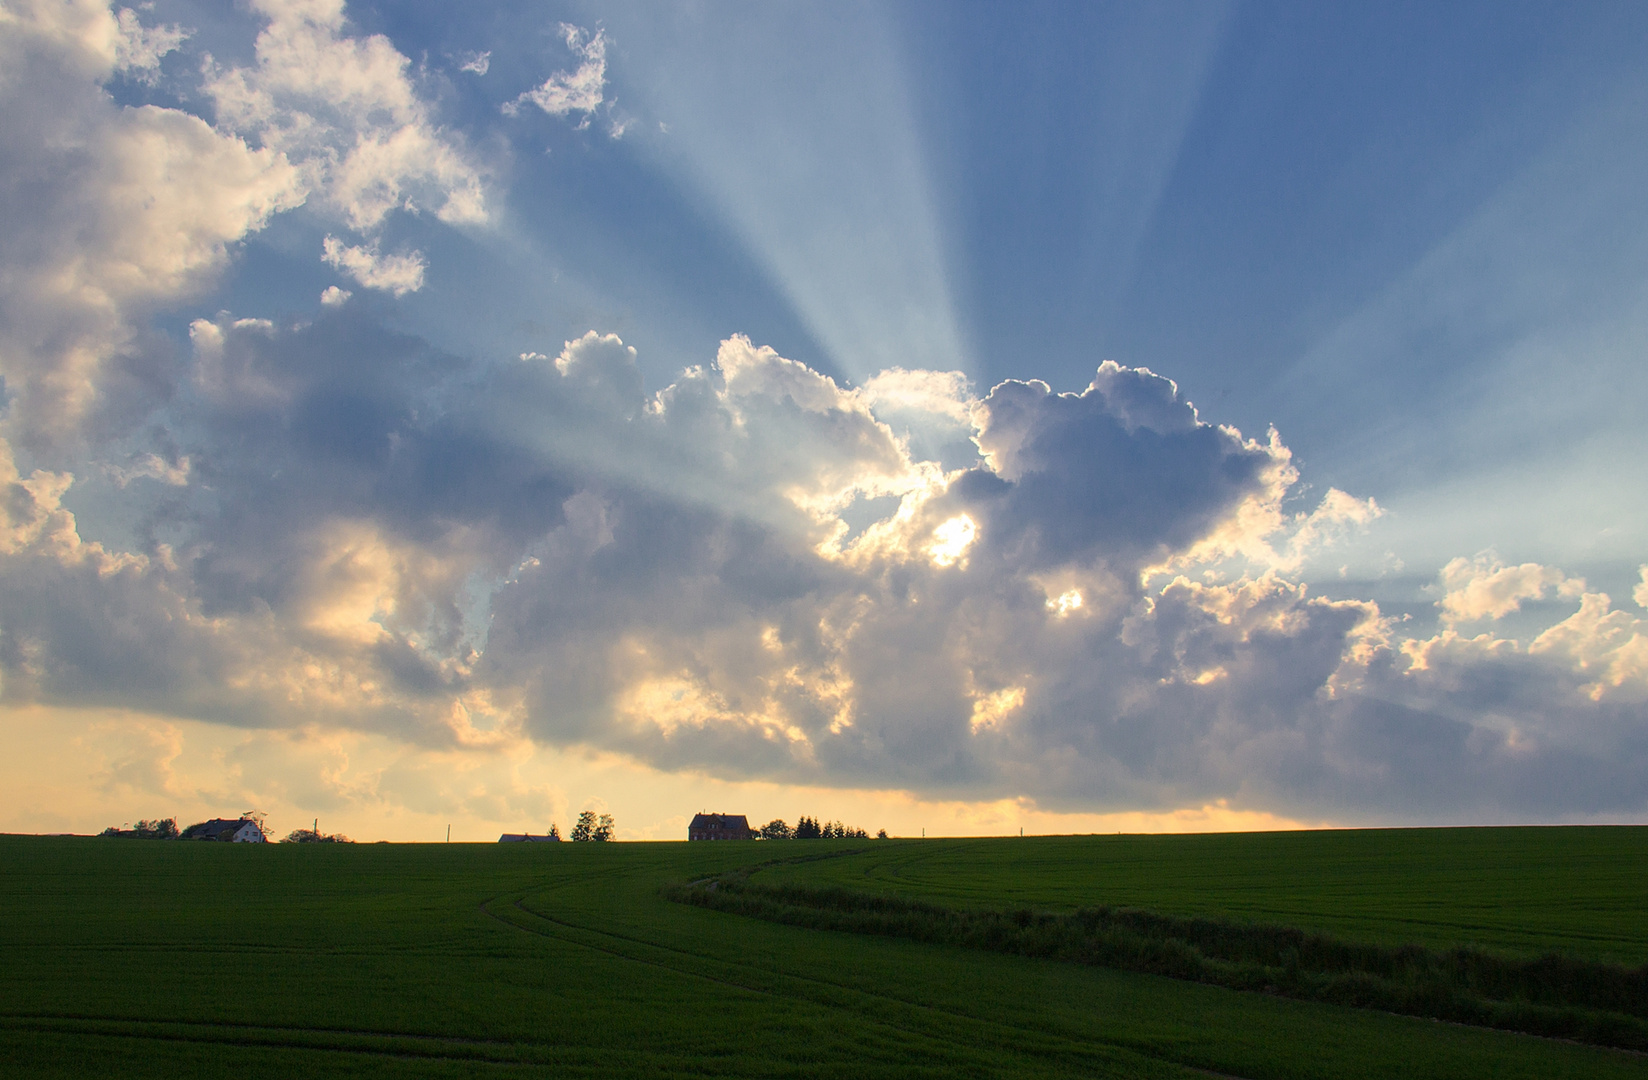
(1575, 890)
(1551, 994)
(180, 960)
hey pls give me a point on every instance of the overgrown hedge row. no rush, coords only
(1550, 995)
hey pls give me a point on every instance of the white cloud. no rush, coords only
(139, 49)
(332, 296)
(396, 274)
(1485, 588)
(142, 210)
(564, 93)
(945, 394)
(1640, 593)
(477, 62)
(345, 111)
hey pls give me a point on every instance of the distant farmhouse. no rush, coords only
(239, 831)
(551, 837)
(719, 827)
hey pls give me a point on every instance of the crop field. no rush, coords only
(172, 959)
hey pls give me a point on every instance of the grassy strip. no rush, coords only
(1550, 995)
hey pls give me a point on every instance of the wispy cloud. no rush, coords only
(577, 91)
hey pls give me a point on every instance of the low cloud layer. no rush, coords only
(475, 554)
(1085, 599)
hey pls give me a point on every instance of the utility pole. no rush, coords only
(449, 834)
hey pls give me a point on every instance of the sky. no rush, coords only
(942, 417)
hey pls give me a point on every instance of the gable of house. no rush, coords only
(719, 827)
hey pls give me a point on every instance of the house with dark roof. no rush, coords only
(528, 838)
(719, 827)
(238, 830)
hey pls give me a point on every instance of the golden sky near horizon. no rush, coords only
(79, 771)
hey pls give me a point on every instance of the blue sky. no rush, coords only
(413, 410)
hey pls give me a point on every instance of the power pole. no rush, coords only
(449, 834)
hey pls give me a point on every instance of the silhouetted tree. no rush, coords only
(807, 829)
(554, 831)
(603, 829)
(158, 829)
(881, 834)
(585, 829)
(775, 830)
(315, 836)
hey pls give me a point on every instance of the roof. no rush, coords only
(720, 821)
(519, 837)
(216, 827)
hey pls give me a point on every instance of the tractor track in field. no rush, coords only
(339, 1040)
(1068, 1051)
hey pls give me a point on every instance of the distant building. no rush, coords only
(719, 827)
(238, 830)
(528, 838)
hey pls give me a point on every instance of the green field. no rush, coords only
(168, 959)
(1576, 890)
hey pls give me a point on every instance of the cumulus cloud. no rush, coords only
(1485, 588)
(344, 110)
(668, 576)
(395, 274)
(111, 214)
(108, 213)
(581, 90)
(1125, 472)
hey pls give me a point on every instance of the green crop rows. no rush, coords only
(168, 959)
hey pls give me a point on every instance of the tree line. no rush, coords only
(166, 829)
(807, 828)
(158, 829)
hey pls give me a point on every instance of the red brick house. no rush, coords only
(719, 827)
